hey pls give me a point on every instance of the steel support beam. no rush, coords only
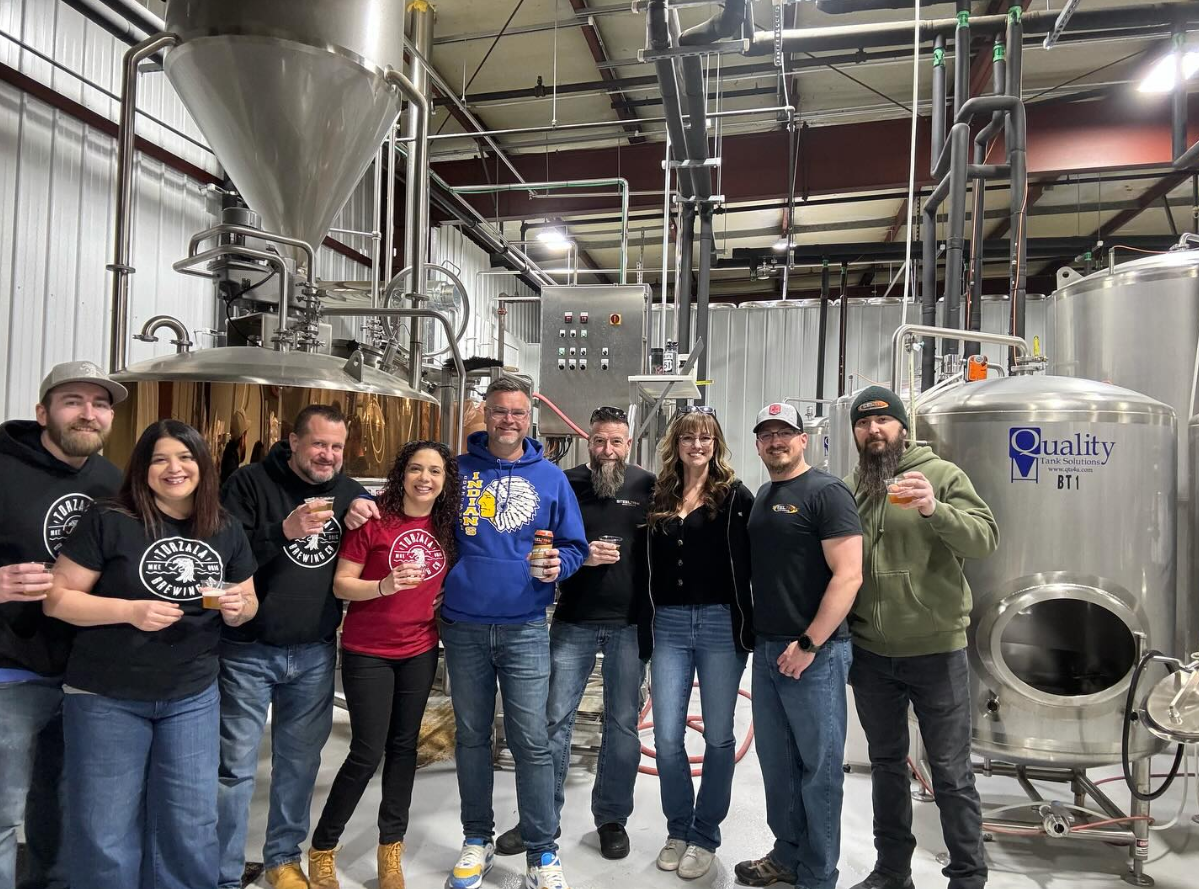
(595, 43)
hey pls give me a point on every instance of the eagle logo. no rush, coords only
(176, 567)
(509, 503)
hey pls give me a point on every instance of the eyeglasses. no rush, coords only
(781, 435)
(697, 409)
(704, 440)
(609, 414)
(504, 412)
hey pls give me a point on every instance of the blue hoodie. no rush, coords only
(503, 503)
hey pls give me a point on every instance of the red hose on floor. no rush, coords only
(695, 723)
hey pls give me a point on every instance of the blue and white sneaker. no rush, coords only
(474, 862)
(547, 874)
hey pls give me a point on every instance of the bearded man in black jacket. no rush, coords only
(294, 506)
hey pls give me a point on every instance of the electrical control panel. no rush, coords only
(591, 343)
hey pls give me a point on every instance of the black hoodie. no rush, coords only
(41, 499)
(294, 580)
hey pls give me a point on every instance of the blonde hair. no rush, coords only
(668, 490)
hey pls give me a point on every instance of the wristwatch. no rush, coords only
(806, 644)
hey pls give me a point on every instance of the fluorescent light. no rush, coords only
(551, 237)
(781, 245)
(1160, 78)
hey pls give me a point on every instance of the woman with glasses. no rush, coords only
(700, 623)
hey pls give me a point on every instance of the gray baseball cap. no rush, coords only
(786, 413)
(81, 372)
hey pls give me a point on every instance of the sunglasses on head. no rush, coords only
(604, 413)
(698, 409)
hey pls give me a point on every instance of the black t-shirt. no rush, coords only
(786, 527)
(121, 661)
(607, 594)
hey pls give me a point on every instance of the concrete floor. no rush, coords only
(1016, 863)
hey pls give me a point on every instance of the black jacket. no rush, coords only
(733, 514)
(41, 500)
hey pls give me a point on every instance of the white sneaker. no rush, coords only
(671, 854)
(547, 875)
(474, 862)
(696, 862)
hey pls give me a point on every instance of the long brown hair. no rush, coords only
(445, 507)
(668, 490)
(135, 497)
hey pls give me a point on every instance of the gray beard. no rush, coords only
(875, 469)
(607, 478)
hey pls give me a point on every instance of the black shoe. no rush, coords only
(510, 842)
(879, 880)
(614, 841)
(763, 872)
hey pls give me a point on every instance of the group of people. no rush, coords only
(149, 622)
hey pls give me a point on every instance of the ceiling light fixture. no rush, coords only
(1161, 76)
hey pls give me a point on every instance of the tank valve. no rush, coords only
(1054, 821)
(993, 704)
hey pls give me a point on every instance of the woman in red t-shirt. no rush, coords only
(391, 571)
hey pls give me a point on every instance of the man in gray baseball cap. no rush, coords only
(52, 471)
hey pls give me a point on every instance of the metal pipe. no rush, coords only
(661, 29)
(619, 182)
(1016, 137)
(702, 333)
(961, 56)
(906, 331)
(188, 266)
(900, 33)
(959, 139)
(938, 109)
(377, 235)
(118, 344)
(232, 228)
(1178, 105)
(842, 329)
(389, 222)
(182, 341)
(928, 292)
(417, 236)
(684, 257)
(116, 24)
(665, 248)
(821, 334)
(982, 144)
(440, 318)
(1189, 159)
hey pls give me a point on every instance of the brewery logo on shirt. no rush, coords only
(788, 508)
(632, 503)
(176, 568)
(61, 519)
(319, 549)
(418, 545)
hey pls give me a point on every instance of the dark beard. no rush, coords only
(874, 469)
(76, 442)
(607, 478)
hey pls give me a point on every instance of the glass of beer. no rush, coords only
(612, 540)
(899, 498)
(211, 592)
(48, 567)
(319, 504)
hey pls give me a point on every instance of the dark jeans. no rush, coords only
(938, 687)
(799, 731)
(386, 699)
(31, 763)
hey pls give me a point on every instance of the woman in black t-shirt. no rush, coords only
(701, 626)
(141, 710)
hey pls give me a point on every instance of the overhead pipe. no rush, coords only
(684, 257)
(416, 202)
(137, 14)
(841, 7)
(842, 329)
(658, 36)
(706, 250)
(122, 241)
(982, 143)
(959, 141)
(961, 56)
(938, 107)
(1178, 116)
(875, 35)
(906, 332)
(821, 335)
(1016, 138)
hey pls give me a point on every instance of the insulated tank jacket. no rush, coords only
(294, 580)
(41, 499)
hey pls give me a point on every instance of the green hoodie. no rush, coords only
(914, 598)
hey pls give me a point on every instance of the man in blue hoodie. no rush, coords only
(493, 627)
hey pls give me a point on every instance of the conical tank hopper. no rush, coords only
(290, 96)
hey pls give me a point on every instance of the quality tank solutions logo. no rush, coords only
(1030, 451)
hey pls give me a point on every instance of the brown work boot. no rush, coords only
(287, 876)
(322, 872)
(391, 875)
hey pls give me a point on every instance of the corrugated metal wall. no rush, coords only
(763, 352)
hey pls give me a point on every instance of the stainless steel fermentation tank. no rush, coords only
(1137, 326)
(1081, 478)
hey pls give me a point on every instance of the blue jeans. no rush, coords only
(141, 802)
(938, 687)
(572, 658)
(296, 682)
(799, 732)
(31, 761)
(690, 641)
(518, 656)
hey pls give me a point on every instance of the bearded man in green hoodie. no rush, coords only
(921, 519)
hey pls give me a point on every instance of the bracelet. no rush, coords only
(381, 594)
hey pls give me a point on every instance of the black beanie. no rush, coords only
(877, 401)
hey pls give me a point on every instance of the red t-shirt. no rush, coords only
(400, 625)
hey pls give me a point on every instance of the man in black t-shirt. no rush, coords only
(596, 612)
(805, 541)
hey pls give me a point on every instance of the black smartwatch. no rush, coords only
(806, 644)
